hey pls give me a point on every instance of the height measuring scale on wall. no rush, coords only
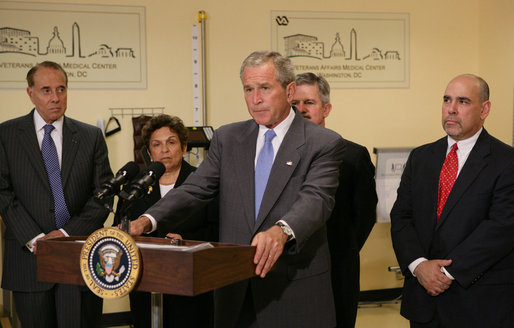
(196, 155)
(197, 113)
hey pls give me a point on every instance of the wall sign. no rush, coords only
(351, 50)
(98, 46)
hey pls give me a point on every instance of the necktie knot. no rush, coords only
(269, 135)
(454, 147)
(48, 128)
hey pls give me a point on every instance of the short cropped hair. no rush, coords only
(283, 66)
(484, 87)
(313, 79)
(164, 120)
(47, 64)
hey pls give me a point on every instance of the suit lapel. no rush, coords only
(28, 139)
(288, 157)
(432, 176)
(185, 170)
(474, 165)
(70, 146)
(245, 155)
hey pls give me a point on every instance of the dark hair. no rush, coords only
(484, 88)
(284, 70)
(313, 79)
(47, 64)
(164, 120)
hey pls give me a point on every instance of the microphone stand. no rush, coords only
(121, 212)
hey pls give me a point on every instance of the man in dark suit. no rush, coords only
(354, 212)
(29, 203)
(288, 227)
(453, 220)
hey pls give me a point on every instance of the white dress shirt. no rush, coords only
(56, 135)
(464, 148)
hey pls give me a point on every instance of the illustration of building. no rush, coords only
(125, 53)
(337, 49)
(103, 51)
(353, 45)
(392, 55)
(16, 40)
(375, 54)
(303, 45)
(76, 49)
(55, 45)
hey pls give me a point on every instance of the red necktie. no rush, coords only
(447, 178)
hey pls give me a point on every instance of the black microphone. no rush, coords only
(112, 187)
(139, 187)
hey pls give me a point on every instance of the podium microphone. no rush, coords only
(112, 187)
(140, 186)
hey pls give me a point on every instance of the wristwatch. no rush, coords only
(286, 230)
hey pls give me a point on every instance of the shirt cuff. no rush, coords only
(415, 264)
(64, 232)
(443, 270)
(154, 223)
(30, 243)
(285, 223)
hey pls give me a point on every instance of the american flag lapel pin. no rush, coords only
(289, 163)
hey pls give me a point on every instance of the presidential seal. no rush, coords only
(110, 263)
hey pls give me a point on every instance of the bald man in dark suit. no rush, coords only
(452, 224)
(32, 211)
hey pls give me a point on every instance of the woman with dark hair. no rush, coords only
(165, 140)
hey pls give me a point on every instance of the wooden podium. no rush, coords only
(167, 271)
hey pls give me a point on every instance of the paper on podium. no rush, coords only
(183, 248)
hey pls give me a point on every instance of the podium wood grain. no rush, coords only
(163, 270)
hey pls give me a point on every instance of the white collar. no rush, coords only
(39, 123)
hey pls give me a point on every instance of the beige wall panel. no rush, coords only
(447, 38)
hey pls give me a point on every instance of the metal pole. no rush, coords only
(156, 303)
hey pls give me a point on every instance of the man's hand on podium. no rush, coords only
(140, 226)
(50, 235)
(270, 245)
(171, 235)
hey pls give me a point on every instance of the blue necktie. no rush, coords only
(263, 168)
(49, 153)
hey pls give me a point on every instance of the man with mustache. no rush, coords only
(453, 220)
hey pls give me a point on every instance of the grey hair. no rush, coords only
(313, 79)
(283, 67)
(47, 64)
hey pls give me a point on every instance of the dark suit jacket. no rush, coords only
(26, 201)
(349, 226)
(300, 191)
(178, 310)
(475, 230)
(201, 225)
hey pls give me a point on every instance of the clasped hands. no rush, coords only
(431, 277)
(51, 234)
(269, 243)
